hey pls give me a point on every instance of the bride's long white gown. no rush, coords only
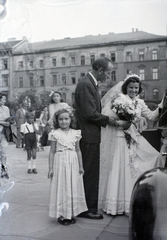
(120, 166)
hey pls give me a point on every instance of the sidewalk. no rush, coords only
(27, 197)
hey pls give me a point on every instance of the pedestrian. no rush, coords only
(29, 130)
(56, 104)
(20, 119)
(4, 123)
(67, 198)
(90, 120)
(43, 119)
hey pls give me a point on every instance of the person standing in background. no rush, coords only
(29, 130)
(43, 119)
(20, 119)
(4, 115)
(56, 104)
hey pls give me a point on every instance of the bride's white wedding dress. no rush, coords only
(121, 166)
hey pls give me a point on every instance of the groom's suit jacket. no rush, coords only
(88, 110)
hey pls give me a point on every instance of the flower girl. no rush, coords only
(67, 198)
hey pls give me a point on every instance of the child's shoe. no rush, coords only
(4, 172)
(29, 171)
(72, 221)
(34, 171)
(63, 221)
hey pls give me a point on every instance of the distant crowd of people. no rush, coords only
(96, 151)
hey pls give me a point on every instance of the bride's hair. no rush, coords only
(134, 79)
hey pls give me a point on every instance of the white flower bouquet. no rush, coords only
(126, 111)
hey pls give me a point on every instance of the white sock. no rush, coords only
(33, 163)
(29, 164)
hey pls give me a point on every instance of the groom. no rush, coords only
(90, 120)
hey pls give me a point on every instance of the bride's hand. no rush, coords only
(123, 124)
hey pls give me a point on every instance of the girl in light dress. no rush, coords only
(122, 162)
(67, 198)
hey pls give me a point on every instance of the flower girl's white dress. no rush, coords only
(67, 197)
(121, 166)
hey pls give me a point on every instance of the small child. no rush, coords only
(29, 130)
(67, 197)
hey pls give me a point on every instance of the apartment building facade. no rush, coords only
(58, 64)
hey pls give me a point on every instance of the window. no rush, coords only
(92, 58)
(73, 61)
(31, 63)
(4, 64)
(55, 79)
(82, 60)
(73, 99)
(54, 62)
(73, 78)
(5, 80)
(141, 55)
(64, 79)
(102, 55)
(20, 82)
(142, 74)
(82, 74)
(31, 82)
(41, 63)
(20, 65)
(128, 56)
(128, 72)
(154, 55)
(63, 61)
(64, 96)
(113, 76)
(155, 73)
(155, 94)
(113, 58)
(41, 81)
(142, 94)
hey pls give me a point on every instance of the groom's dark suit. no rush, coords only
(90, 120)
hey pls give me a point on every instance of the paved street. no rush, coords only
(24, 200)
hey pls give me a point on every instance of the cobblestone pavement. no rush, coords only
(24, 200)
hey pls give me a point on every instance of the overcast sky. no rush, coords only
(40, 20)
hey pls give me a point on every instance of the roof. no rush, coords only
(90, 40)
(8, 45)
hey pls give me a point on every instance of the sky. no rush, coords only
(40, 20)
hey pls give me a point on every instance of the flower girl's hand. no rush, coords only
(50, 174)
(81, 171)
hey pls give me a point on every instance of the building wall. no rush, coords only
(120, 66)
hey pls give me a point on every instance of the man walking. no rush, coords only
(90, 120)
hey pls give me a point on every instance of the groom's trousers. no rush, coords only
(91, 158)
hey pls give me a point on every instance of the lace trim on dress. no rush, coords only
(54, 136)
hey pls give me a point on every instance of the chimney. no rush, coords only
(132, 29)
(136, 29)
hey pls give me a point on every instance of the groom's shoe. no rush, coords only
(91, 215)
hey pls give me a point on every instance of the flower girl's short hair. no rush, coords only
(64, 110)
(131, 78)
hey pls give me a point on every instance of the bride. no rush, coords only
(124, 153)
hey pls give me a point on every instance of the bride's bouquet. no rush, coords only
(126, 111)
